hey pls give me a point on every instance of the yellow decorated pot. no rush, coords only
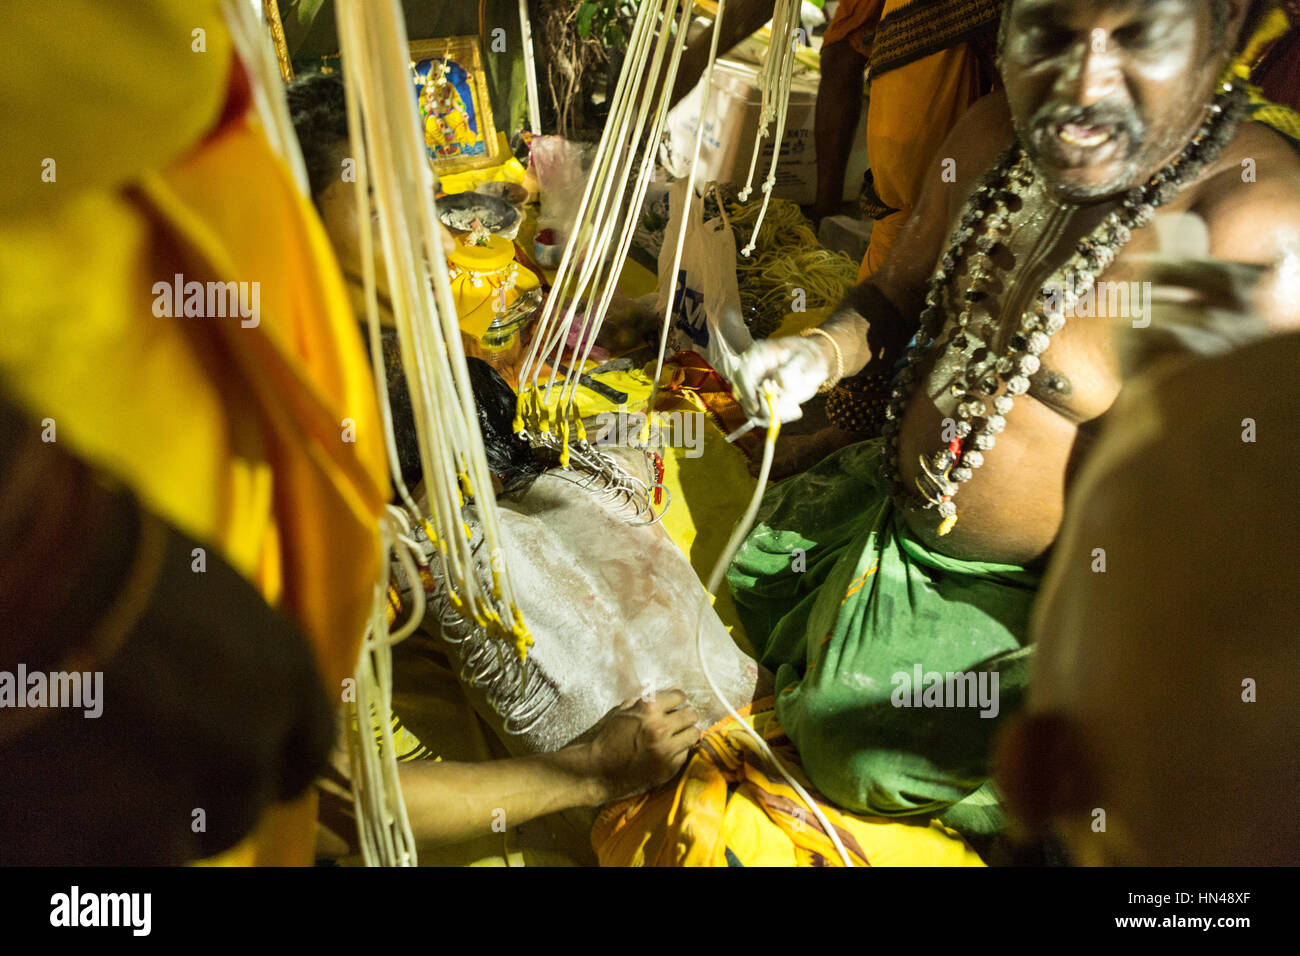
(485, 281)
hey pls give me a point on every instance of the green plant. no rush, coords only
(605, 19)
(578, 35)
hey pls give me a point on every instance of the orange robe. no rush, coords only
(910, 112)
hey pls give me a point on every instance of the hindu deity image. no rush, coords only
(449, 123)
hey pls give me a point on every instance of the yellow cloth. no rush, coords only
(509, 171)
(727, 809)
(103, 90)
(239, 436)
(911, 111)
(909, 114)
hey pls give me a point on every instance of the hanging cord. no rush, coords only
(706, 96)
(785, 38)
(603, 231)
(389, 151)
(252, 40)
(715, 581)
(383, 826)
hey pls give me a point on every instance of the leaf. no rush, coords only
(614, 36)
(586, 13)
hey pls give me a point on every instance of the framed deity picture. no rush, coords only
(455, 112)
(450, 90)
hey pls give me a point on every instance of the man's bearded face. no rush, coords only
(1103, 93)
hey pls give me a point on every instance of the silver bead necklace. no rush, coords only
(987, 216)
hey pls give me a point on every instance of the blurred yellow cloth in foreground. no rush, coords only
(259, 434)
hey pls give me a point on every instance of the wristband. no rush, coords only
(839, 358)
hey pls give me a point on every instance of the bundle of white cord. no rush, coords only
(707, 95)
(774, 81)
(387, 146)
(606, 218)
(383, 828)
(375, 65)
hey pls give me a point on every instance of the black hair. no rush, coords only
(509, 457)
(399, 401)
(318, 109)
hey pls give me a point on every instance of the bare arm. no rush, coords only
(740, 18)
(635, 747)
(1252, 211)
(839, 107)
(878, 317)
(451, 802)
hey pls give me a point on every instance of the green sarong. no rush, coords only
(843, 602)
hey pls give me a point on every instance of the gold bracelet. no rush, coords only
(839, 358)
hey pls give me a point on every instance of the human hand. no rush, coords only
(642, 743)
(796, 366)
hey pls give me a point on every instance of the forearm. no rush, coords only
(740, 19)
(839, 106)
(451, 802)
(867, 326)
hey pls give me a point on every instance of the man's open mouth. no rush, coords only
(1074, 145)
(1086, 136)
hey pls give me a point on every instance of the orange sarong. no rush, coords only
(915, 100)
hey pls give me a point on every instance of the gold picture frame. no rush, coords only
(459, 132)
(276, 26)
(455, 111)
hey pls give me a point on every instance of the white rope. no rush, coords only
(602, 234)
(774, 80)
(252, 38)
(612, 169)
(383, 827)
(715, 581)
(707, 95)
(530, 69)
(388, 149)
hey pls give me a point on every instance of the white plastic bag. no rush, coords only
(706, 316)
(561, 167)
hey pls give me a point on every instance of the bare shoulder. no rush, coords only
(980, 136)
(991, 113)
(971, 148)
(1251, 202)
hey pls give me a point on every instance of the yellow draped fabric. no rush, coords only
(911, 111)
(1279, 116)
(728, 809)
(264, 439)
